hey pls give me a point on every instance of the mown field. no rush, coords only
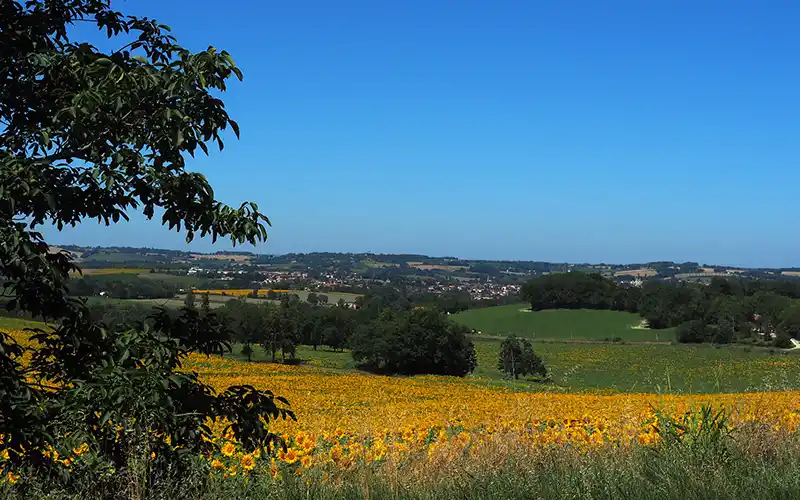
(560, 324)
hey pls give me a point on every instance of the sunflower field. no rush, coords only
(347, 420)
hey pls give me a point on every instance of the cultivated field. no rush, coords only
(643, 272)
(615, 368)
(560, 324)
(110, 270)
(225, 257)
(652, 368)
(435, 267)
(428, 430)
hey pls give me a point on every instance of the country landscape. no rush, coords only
(507, 336)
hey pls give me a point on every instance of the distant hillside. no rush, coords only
(386, 266)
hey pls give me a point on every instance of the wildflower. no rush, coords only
(216, 464)
(306, 461)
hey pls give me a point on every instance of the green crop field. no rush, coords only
(612, 368)
(560, 324)
(652, 368)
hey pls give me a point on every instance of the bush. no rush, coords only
(517, 358)
(691, 332)
(416, 342)
(783, 341)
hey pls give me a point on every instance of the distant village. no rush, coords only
(337, 281)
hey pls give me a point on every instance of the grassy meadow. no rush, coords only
(560, 324)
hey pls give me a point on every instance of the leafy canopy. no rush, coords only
(87, 134)
(415, 342)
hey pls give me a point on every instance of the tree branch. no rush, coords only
(65, 155)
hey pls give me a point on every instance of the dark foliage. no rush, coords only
(122, 286)
(517, 358)
(415, 342)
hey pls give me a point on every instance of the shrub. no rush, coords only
(695, 331)
(517, 358)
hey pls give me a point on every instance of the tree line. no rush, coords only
(122, 286)
(384, 335)
(722, 311)
(387, 333)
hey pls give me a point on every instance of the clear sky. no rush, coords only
(563, 131)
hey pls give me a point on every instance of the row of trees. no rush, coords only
(122, 286)
(279, 329)
(382, 338)
(723, 311)
(376, 332)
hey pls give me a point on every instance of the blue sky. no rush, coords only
(561, 131)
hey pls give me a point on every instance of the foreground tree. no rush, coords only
(517, 358)
(87, 134)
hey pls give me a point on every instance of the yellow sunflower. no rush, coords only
(247, 462)
(228, 449)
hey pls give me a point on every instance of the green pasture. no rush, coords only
(560, 324)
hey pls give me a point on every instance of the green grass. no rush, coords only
(322, 357)
(560, 324)
(653, 368)
(18, 324)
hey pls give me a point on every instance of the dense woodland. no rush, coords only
(723, 311)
